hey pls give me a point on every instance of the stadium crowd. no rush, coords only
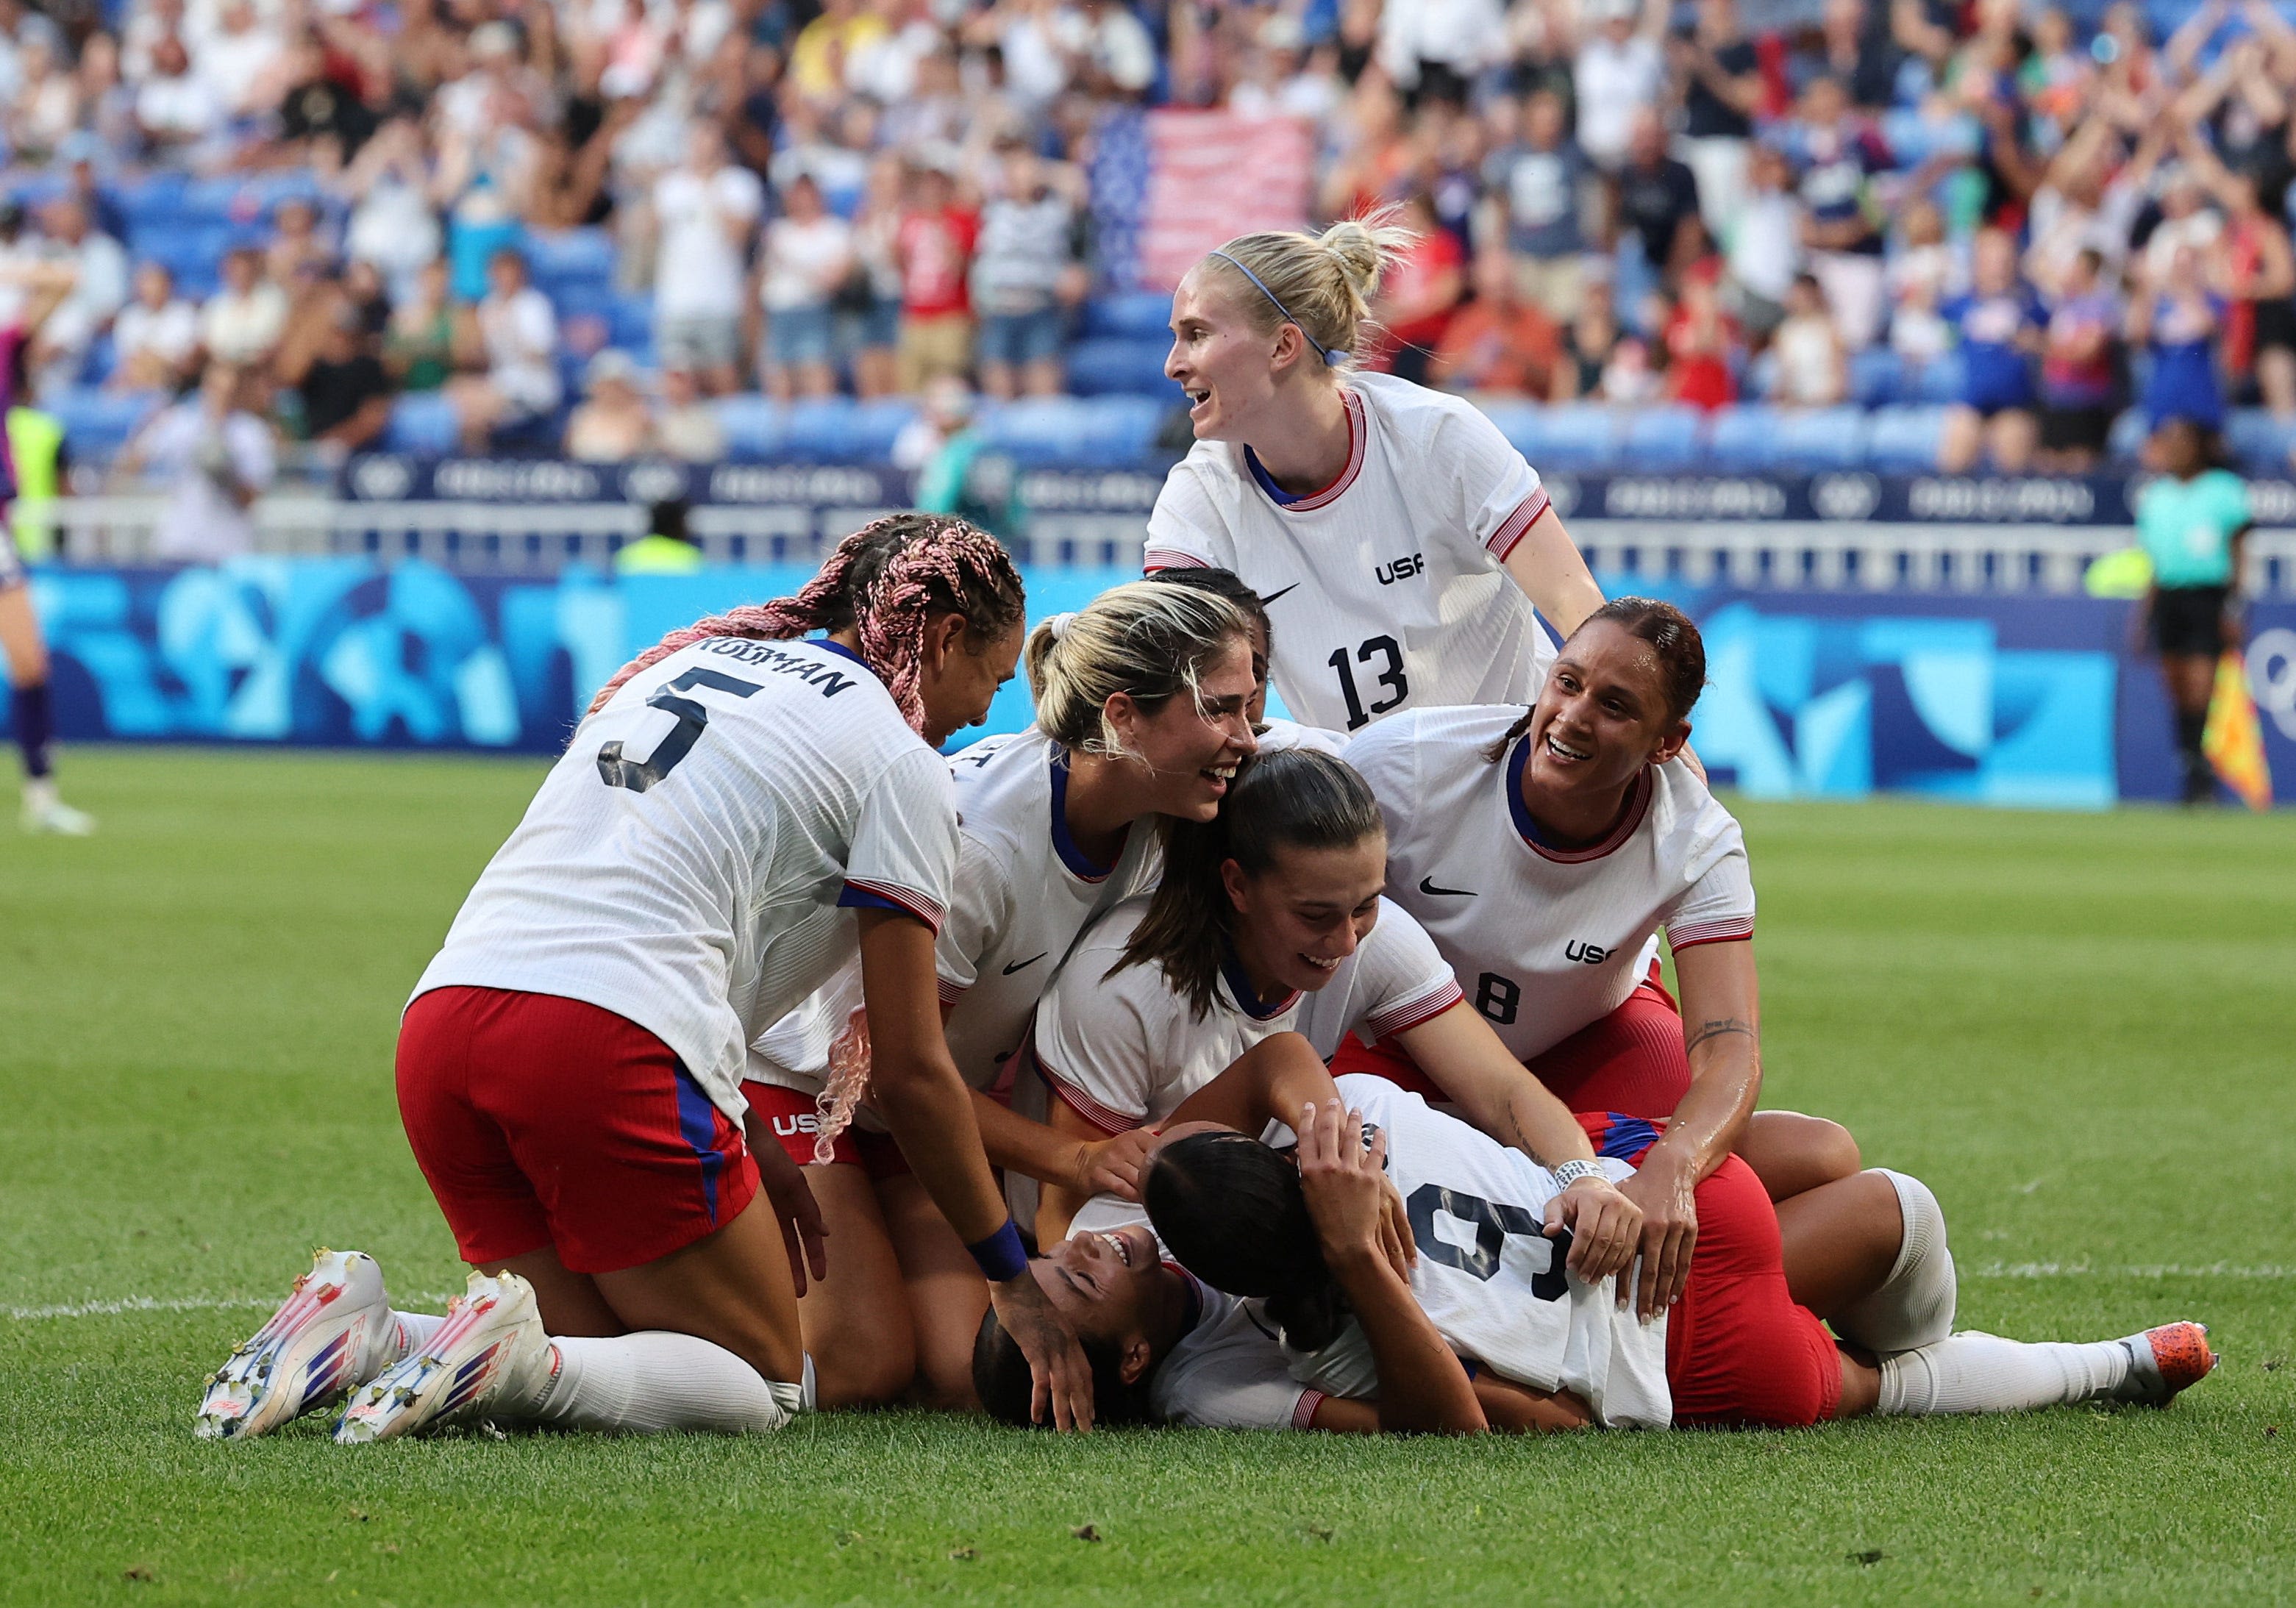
(584, 226)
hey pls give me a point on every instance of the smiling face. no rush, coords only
(1226, 362)
(1296, 921)
(1106, 1287)
(1186, 752)
(957, 677)
(1601, 715)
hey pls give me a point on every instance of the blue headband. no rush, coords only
(1333, 356)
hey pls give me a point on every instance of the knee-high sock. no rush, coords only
(1975, 1373)
(31, 714)
(657, 1380)
(1914, 1305)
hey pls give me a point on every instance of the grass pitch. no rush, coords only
(2077, 1028)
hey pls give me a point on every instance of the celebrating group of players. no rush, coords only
(1327, 1065)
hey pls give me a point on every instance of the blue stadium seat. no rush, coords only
(820, 428)
(1664, 438)
(1581, 435)
(1874, 374)
(1939, 379)
(1117, 367)
(2126, 440)
(422, 421)
(2260, 441)
(1133, 315)
(1903, 440)
(1744, 439)
(97, 423)
(1821, 439)
(1038, 431)
(754, 427)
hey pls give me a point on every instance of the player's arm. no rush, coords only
(1080, 1160)
(1552, 573)
(916, 1086)
(1721, 1028)
(1497, 1094)
(1422, 1385)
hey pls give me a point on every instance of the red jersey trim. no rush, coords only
(1303, 1416)
(1516, 524)
(1358, 435)
(1092, 1111)
(1510, 778)
(1412, 1012)
(1710, 932)
(1154, 558)
(950, 992)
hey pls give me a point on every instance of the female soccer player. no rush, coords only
(1400, 539)
(1276, 733)
(1480, 1324)
(1541, 849)
(569, 1070)
(1141, 702)
(1270, 921)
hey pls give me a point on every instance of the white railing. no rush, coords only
(540, 538)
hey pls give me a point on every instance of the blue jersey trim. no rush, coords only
(1064, 843)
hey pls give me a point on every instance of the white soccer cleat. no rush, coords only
(491, 1349)
(333, 1333)
(2167, 1361)
(44, 812)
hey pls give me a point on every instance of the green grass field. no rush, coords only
(2077, 1028)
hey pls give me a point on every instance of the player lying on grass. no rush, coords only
(739, 811)
(1141, 713)
(1400, 1270)
(1541, 849)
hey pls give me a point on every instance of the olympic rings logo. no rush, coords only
(2272, 677)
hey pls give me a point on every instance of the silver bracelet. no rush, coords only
(1567, 1173)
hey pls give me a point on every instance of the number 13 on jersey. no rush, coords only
(1389, 674)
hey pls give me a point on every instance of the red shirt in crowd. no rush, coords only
(935, 248)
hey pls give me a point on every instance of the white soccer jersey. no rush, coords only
(1545, 941)
(1228, 1371)
(1384, 588)
(1023, 892)
(1494, 1287)
(1279, 735)
(690, 861)
(1126, 1049)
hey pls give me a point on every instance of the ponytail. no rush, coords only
(1152, 644)
(1322, 283)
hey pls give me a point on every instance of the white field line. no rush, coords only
(436, 1301)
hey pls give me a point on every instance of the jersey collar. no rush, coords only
(1239, 988)
(1638, 797)
(1080, 865)
(830, 645)
(1192, 1290)
(1310, 501)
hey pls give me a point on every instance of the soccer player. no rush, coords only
(1269, 922)
(1370, 1312)
(42, 286)
(1541, 849)
(1141, 702)
(1400, 539)
(1275, 733)
(739, 811)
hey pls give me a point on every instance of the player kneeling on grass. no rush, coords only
(569, 1070)
(1400, 1270)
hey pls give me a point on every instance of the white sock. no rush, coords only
(1977, 1373)
(1914, 1305)
(414, 1331)
(657, 1380)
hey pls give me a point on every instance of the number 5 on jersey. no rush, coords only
(639, 774)
(1393, 677)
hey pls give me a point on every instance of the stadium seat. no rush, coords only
(754, 427)
(1744, 439)
(1131, 315)
(1903, 440)
(1939, 379)
(98, 423)
(2260, 441)
(1578, 436)
(1664, 438)
(422, 421)
(1820, 438)
(1118, 366)
(1874, 374)
(837, 429)
(2126, 443)
(1038, 431)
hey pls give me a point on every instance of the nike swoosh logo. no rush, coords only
(1024, 965)
(1427, 886)
(1268, 598)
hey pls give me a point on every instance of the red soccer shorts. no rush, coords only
(796, 1123)
(1631, 1060)
(541, 1120)
(1738, 1351)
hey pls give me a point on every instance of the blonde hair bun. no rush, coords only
(1323, 283)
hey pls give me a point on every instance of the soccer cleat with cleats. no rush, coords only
(332, 1333)
(2165, 1361)
(490, 1351)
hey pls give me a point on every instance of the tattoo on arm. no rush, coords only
(1717, 1029)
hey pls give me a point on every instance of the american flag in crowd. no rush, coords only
(1169, 185)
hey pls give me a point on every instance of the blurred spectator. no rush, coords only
(107, 103)
(297, 255)
(613, 425)
(1701, 345)
(669, 547)
(100, 288)
(1656, 195)
(179, 114)
(1854, 48)
(808, 259)
(1765, 254)
(2251, 268)
(217, 453)
(430, 336)
(686, 425)
(346, 394)
(1028, 273)
(45, 108)
(1417, 294)
(1540, 184)
(156, 337)
(1812, 370)
(2079, 383)
(1500, 343)
(1619, 71)
(238, 56)
(2178, 317)
(1588, 340)
(241, 325)
(519, 333)
(1841, 226)
(392, 222)
(1434, 49)
(1999, 325)
(934, 248)
(868, 302)
(706, 211)
(1721, 74)
(955, 473)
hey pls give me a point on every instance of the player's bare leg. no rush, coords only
(856, 1321)
(1841, 1241)
(26, 652)
(1792, 1154)
(947, 1295)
